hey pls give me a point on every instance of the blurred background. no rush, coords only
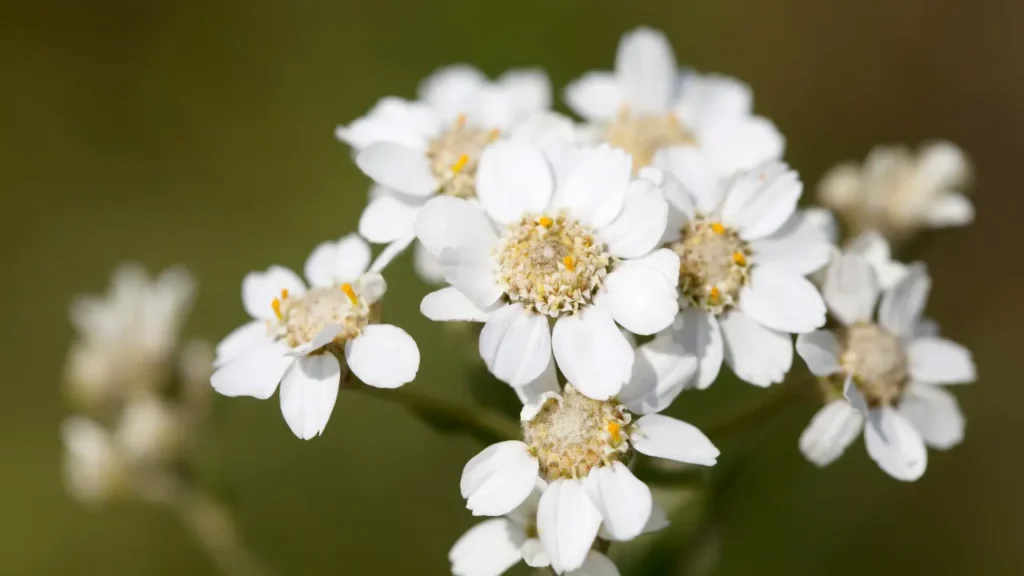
(201, 133)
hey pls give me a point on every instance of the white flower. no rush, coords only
(415, 150)
(580, 447)
(495, 545)
(890, 369)
(647, 105)
(873, 247)
(300, 337)
(93, 470)
(744, 253)
(572, 249)
(898, 192)
(127, 336)
(150, 431)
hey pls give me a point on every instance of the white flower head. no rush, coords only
(306, 338)
(647, 105)
(898, 192)
(580, 448)
(415, 150)
(569, 245)
(127, 336)
(150, 432)
(94, 472)
(744, 251)
(890, 367)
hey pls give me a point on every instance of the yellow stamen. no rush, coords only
(493, 135)
(545, 221)
(347, 289)
(569, 264)
(460, 163)
(276, 305)
(284, 294)
(718, 228)
(715, 294)
(615, 430)
(460, 120)
(739, 258)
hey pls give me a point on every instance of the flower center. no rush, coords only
(642, 136)
(876, 360)
(713, 265)
(577, 434)
(301, 318)
(553, 265)
(454, 156)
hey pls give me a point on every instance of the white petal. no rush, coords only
(856, 399)
(594, 96)
(742, 145)
(528, 90)
(872, 246)
(259, 289)
(640, 299)
(595, 190)
(759, 202)
(515, 344)
(452, 90)
(255, 372)
(664, 261)
(404, 169)
(623, 501)
(389, 253)
(383, 356)
(950, 210)
(567, 523)
(513, 179)
(897, 448)
(427, 267)
(820, 350)
(658, 520)
(534, 554)
(391, 120)
(831, 430)
(645, 67)
(943, 165)
(660, 372)
(641, 224)
(903, 304)
(322, 338)
(458, 233)
(782, 300)
(664, 437)
(308, 393)
(851, 288)
(940, 361)
(596, 564)
(388, 218)
(935, 413)
(533, 405)
(334, 263)
(448, 304)
(487, 549)
(713, 103)
(757, 354)
(695, 173)
(800, 246)
(698, 334)
(592, 353)
(241, 339)
(499, 478)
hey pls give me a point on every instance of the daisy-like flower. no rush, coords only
(573, 251)
(891, 368)
(495, 545)
(647, 105)
(744, 252)
(307, 339)
(126, 337)
(898, 192)
(417, 149)
(581, 447)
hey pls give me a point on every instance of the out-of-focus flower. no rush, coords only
(574, 248)
(898, 192)
(890, 368)
(580, 447)
(647, 105)
(305, 339)
(417, 149)
(744, 251)
(93, 470)
(150, 432)
(127, 336)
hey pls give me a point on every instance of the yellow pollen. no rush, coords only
(347, 289)
(276, 305)
(460, 163)
(715, 293)
(460, 120)
(284, 294)
(614, 429)
(569, 264)
(718, 228)
(739, 258)
(545, 221)
(493, 135)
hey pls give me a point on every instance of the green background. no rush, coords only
(202, 133)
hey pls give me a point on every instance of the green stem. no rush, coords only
(213, 527)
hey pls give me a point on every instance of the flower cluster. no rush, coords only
(611, 263)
